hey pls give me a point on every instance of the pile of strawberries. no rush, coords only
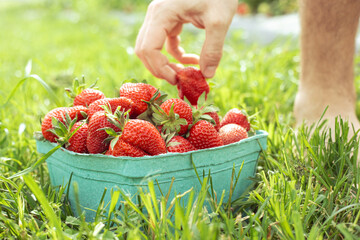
(141, 122)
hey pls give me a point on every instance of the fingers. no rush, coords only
(159, 66)
(176, 66)
(163, 23)
(211, 52)
(173, 47)
(150, 41)
(217, 21)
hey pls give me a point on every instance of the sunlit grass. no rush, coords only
(306, 187)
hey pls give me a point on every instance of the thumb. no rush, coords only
(211, 52)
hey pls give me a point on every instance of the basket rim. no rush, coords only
(259, 134)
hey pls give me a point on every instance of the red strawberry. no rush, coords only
(181, 108)
(80, 112)
(46, 124)
(144, 135)
(191, 84)
(204, 135)
(235, 116)
(138, 93)
(216, 118)
(152, 90)
(181, 145)
(206, 111)
(88, 96)
(77, 143)
(123, 148)
(83, 96)
(108, 152)
(123, 102)
(232, 132)
(95, 141)
(59, 113)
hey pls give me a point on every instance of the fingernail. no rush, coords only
(209, 72)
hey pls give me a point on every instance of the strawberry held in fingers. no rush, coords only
(191, 84)
(204, 135)
(236, 116)
(232, 132)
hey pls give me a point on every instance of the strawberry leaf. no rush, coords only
(173, 144)
(119, 118)
(113, 142)
(153, 106)
(208, 118)
(181, 121)
(94, 84)
(202, 99)
(167, 136)
(107, 108)
(159, 118)
(108, 130)
(60, 125)
(78, 87)
(84, 114)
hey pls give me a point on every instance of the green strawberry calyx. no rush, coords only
(203, 107)
(170, 122)
(156, 100)
(62, 129)
(119, 119)
(78, 86)
(168, 137)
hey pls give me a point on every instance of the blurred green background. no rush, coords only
(311, 187)
(270, 7)
(66, 39)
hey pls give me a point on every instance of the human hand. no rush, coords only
(163, 23)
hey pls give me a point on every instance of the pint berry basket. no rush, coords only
(95, 172)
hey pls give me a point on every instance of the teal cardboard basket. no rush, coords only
(95, 172)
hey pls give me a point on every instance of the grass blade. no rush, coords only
(50, 214)
(36, 164)
(53, 96)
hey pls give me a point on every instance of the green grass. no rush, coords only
(306, 187)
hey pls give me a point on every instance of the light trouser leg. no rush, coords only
(328, 31)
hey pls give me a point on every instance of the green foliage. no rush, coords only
(306, 186)
(271, 7)
(95, 5)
